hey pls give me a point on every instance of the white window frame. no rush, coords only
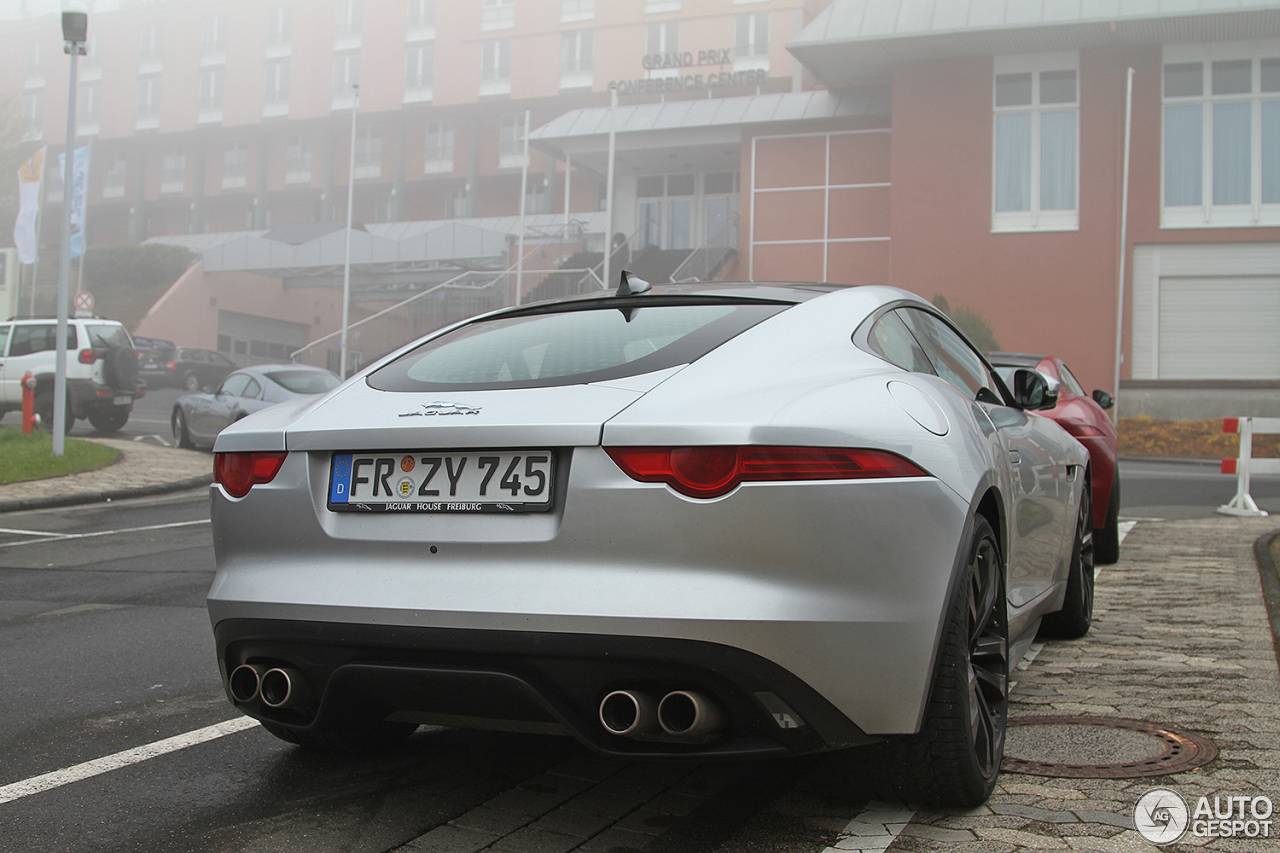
(498, 15)
(348, 19)
(235, 165)
(438, 140)
(576, 59)
(88, 104)
(211, 90)
(1034, 219)
(754, 54)
(1208, 214)
(115, 177)
(148, 116)
(368, 153)
(573, 11)
(276, 83)
(33, 115)
(297, 161)
(214, 38)
(173, 171)
(346, 73)
(419, 72)
(495, 59)
(511, 141)
(279, 25)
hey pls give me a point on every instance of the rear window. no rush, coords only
(107, 335)
(303, 381)
(569, 347)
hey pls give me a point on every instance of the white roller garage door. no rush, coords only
(1219, 327)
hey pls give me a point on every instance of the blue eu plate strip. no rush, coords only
(340, 481)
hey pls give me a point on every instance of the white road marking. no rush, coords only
(98, 766)
(46, 536)
(1125, 526)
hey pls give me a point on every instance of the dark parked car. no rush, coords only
(184, 367)
(198, 418)
(1085, 417)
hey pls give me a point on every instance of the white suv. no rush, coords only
(102, 370)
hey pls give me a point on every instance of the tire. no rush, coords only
(1106, 539)
(181, 437)
(379, 737)
(1076, 615)
(121, 369)
(44, 408)
(110, 420)
(191, 382)
(955, 758)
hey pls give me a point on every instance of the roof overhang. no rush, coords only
(701, 135)
(853, 40)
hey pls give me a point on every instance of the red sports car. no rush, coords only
(1084, 417)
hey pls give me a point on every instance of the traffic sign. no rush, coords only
(84, 304)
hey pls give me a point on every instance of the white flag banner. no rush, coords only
(79, 181)
(30, 176)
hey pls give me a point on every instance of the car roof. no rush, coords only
(1015, 359)
(267, 369)
(775, 291)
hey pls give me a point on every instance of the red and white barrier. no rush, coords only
(1246, 466)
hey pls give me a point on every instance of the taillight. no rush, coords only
(171, 365)
(239, 472)
(1081, 430)
(712, 471)
(88, 356)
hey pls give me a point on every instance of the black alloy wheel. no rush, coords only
(1076, 615)
(191, 382)
(955, 758)
(1106, 539)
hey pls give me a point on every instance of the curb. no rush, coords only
(1270, 585)
(78, 498)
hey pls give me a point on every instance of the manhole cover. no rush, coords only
(1079, 748)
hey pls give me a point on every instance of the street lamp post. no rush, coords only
(346, 264)
(75, 29)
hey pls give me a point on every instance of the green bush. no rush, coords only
(126, 280)
(973, 324)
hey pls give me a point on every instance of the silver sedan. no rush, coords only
(197, 419)
(721, 519)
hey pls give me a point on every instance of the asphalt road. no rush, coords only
(150, 417)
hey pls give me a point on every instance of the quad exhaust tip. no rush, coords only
(628, 713)
(685, 713)
(284, 688)
(245, 682)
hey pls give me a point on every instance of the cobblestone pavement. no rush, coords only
(141, 469)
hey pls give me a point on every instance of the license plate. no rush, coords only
(122, 401)
(428, 481)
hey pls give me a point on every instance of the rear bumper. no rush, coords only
(87, 396)
(531, 682)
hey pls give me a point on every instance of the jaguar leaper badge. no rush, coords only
(440, 407)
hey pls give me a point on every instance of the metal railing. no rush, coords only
(705, 260)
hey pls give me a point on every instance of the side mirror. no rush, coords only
(1032, 391)
(1103, 399)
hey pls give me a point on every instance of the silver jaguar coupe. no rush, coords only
(715, 520)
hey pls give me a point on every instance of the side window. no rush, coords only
(892, 341)
(234, 384)
(952, 358)
(253, 390)
(1069, 379)
(4, 338)
(39, 338)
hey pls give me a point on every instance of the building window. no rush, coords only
(173, 172)
(419, 64)
(113, 180)
(347, 16)
(662, 37)
(34, 58)
(1036, 157)
(422, 14)
(346, 73)
(148, 97)
(297, 162)
(150, 48)
(495, 67)
(33, 114)
(652, 7)
(511, 141)
(235, 165)
(1221, 136)
(279, 25)
(88, 103)
(575, 59)
(438, 150)
(498, 15)
(276, 84)
(369, 153)
(211, 89)
(577, 10)
(214, 40)
(751, 34)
